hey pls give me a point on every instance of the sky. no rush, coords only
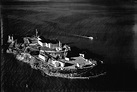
(57, 0)
(48, 0)
(112, 2)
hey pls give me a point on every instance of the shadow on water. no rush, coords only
(114, 45)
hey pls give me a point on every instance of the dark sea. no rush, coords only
(111, 24)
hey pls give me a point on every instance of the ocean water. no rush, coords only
(110, 25)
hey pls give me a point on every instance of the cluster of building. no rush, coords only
(37, 49)
(42, 45)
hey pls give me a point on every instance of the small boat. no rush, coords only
(50, 57)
